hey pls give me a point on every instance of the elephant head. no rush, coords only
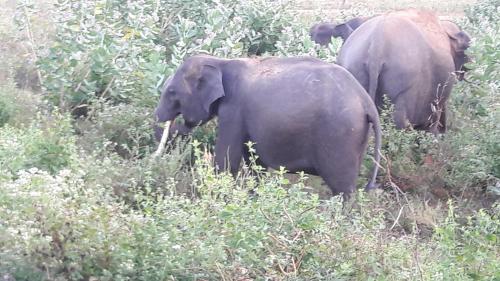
(191, 92)
(459, 42)
(322, 33)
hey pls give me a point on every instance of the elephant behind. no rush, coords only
(301, 113)
(322, 33)
(411, 57)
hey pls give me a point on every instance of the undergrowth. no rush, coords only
(81, 198)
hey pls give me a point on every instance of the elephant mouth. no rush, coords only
(191, 124)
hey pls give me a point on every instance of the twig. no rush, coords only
(397, 218)
(418, 261)
(157, 7)
(265, 215)
(306, 210)
(220, 271)
(32, 44)
(108, 87)
(278, 241)
(282, 270)
(83, 79)
(288, 216)
(302, 253)
(396, 187)
(297, 235)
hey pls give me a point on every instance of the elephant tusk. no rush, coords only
(163, 140)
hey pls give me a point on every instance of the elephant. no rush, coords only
(301, 113)
(322, 33)
(174, 128)
(414, 59)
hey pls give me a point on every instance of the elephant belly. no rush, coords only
(289, 149)
(276, 158)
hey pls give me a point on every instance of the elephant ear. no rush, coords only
(347, 28)
(343, 31)
(209, 86)
(460, 40)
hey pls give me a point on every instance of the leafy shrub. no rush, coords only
(92, 214)
(82, 231)
(168, 174)
(17, 107)
(470, 244)
(119, 50)
(483, 11)
(6, 107)
(127, 128)
(46, 144)
(475, 104)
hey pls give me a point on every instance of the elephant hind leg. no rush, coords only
(400, 116)
(340, 169)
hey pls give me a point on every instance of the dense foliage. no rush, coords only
(81, 198)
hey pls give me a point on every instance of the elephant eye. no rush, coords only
(171, 91)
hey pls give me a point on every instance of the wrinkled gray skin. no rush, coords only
(391, 55)
(322, 33)
(176, 129)
(301, 113)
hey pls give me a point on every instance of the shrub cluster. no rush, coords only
(80, 198)
(63, 227)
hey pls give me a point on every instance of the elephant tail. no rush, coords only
(374, 69)
(373, 118)
(375, 65)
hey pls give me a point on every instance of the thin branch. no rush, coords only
(220, 271)
(397, 218)
(108, 87)
(29, 32)
(83, 79)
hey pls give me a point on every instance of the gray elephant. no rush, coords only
(301, 113)
(174, 128)
(322, 33)
(411, 57)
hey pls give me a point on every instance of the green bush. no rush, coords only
(90, 203)
(6, 107)
(17, 107)
(47, 144)
(127, 128)
(121, 51)
(82, 231)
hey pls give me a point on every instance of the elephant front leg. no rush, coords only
(229, 147)
(399, 115)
